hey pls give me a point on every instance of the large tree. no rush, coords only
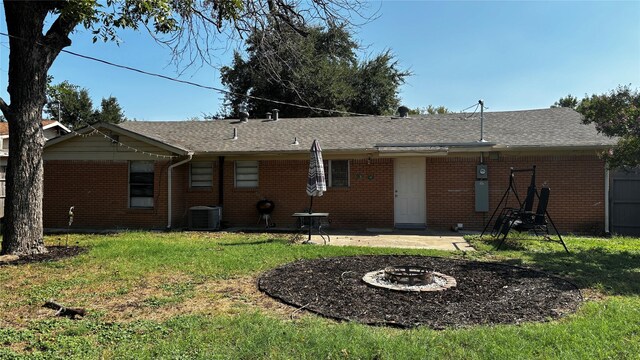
(616, 114)
(319, 70)
(39, 30)
(72, 106)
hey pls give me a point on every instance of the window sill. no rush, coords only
(252, 189)
(200, 189)
(140, 210)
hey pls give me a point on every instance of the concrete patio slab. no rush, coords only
(399, 239)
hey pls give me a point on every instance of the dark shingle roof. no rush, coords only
(547, 128)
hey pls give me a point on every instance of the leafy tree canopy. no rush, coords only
(320, 70)
(569, 101)
(72, 105)
(615, 114)
(431, 110)
(39, 30)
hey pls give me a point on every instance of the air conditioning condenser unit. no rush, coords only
(205, 217)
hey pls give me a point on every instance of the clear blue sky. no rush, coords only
(513, 55)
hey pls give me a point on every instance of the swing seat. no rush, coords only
(508, 215)
(529, 221)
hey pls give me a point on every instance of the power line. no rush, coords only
(467, 108)
(474, 112)
(207, 87)
(148, 73)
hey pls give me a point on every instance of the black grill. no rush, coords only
(265, 207)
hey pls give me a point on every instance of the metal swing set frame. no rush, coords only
(523, 218)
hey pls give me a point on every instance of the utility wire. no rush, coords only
(187, 82)
(474, 111)
(148, 73)
(465, 109)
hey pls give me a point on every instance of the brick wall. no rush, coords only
(576, 201)
(185, 197)
(368, 202)
(99, 190)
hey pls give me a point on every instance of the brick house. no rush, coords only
(50, 129)
(382, 172)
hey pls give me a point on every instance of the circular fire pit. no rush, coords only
(408, 275)
(409, 278)
(486, 293)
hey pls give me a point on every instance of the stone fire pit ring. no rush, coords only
(485, 293)
(409, 278)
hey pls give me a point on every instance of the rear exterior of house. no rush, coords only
(381, 172)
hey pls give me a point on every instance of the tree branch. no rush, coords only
(61, 310)
(4, 107)
(57, 37)
(58, 33)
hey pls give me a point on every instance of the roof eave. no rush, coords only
(54, 124)
(119, 130)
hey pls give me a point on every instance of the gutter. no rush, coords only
(595, 147)
(169, 197)
(450, 144)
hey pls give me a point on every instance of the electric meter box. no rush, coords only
(481, 172)
(482, 196)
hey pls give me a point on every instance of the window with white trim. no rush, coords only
(141, 184)
(201, 175)
(338, 173)
(246, 174)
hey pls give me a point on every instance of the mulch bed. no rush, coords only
(55, 253)
(486, 293)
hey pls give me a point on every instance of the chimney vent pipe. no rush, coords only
(275, 114)
(403, 111)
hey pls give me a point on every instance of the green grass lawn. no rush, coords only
(193, 295)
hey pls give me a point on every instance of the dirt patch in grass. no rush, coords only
(155, 297)
(486, 293)
(159, 298)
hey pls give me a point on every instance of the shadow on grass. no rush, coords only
(258, 242)
(601, 266)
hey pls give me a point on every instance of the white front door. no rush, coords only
(410, 197)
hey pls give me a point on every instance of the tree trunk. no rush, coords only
(30, 57)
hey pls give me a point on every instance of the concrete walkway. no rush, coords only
(397, 238)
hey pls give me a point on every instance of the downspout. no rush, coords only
(221, 180)
(169, 171)
(606, 199)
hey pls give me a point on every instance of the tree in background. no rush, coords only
(616, 114)
(110, 111)
(318, 70)
(72, 106)
(569, 101)
(39, 30)
(431, 110)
